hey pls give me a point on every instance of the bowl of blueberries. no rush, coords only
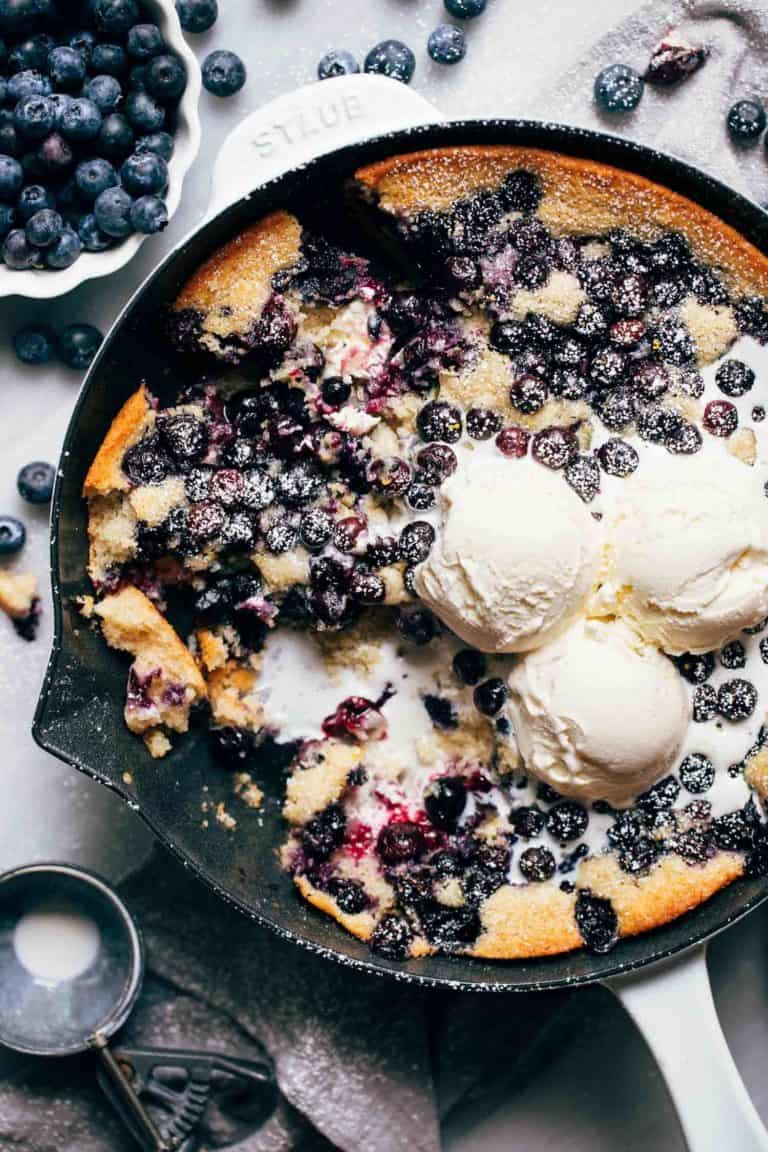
(98, 126)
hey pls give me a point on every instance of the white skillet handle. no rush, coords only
(672, 1005)
(313, 120)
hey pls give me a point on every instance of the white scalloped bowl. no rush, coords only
(42, 284)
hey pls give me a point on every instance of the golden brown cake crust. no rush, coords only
(580, 197)
(231, 288)
(105, 474)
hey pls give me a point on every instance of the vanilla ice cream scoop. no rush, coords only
(687, 562)
(515, 557)
(598, 713)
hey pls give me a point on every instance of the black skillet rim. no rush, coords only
(703, 922)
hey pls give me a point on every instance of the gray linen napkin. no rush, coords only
(363, 1065)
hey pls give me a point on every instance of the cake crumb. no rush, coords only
(743, 445)
(224, 818)
(157, 743)
(247, 790)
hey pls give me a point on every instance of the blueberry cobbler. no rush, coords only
(478, 560)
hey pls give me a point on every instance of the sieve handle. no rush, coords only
(672, 1005)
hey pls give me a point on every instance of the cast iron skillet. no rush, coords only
(79, 715)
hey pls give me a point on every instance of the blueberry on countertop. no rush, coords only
(35, 482)
(746, 121)
(392, 58)
(12, 535)
(223, 73)
(197, 15)
(35, 344)
(466, 9)
(148, 215)
(337, 63)
(618, 88)
(447, 44)
(78, 344)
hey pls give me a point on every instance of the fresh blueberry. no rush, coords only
(10, 143)
(465, 9)
(137, 78)
(537, 864)
(144, 174)
(116, 15)
(337, 63)
(35, 344)
(736, 699)
(83, 40)
(33, 198)
(65, 250)
(166, 78)
(444, 802)
(81, 120)
(223, 73)
(109, 60)
(12, 535)
(44, 228)
(161, 143)
(93, 177)
(112, 211)
(490, 696)
(697, 773)
(66, 68)
(55, 155)
(391, 58)
(447, 44)
(59, 101)
(618, 88)
(31, 53)
(18, 253)
(144, 113)
(106, 92)
(35, 482)
(78, 344)
(116, 137)
(148, 215)
(197, 15)
(746, 121)
(91, 236)
(11, 178)
(7, 218)
(30, 82)
(144, 41)
(469, 665)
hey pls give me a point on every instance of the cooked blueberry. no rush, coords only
(440, 711)
(591, 321)
(685, 440)
(347, 533)
(367, 587)
(627, 333)
(109, 60)
(12, 535)
(447, 44)
(617, 457)
(400, 842)
(239, 531)
(567, 820)
(197, 15)
(625, 830)
(205, 521)
(148, 215)
(392, 476)
(483, 423)
(35, 482)
(232, 746)
(337, 63)
(391, 58)
(616, 408)
(64, 250)
(417, 625)
(35, 344)
(116, 137)
(227, 487)
(78, 344)
(704, 703)
(733, 655)
(583, 475)
(658, 424)
(281, 536)
(382, 551)
(420, 497)
(696, 669)
(335, 391)
(736, 699)
(618, 88)
(508, 337)
(439, 420)
(324, 833)
(299, 484)
(697, 773)
(144, 112)
(223, 73)
(597, 922)
(391, 938)
(80, 120)
(315, 528)
(661, 796)
(528, 394)
(469, 665)
(490, 696)
(436, 463)
(185, 436)
(537, 864)
(758, 414)
(554, 447)
(513, 442)
(734, 377)
(735, 831)
(607, 366)
(720, 418)
(746, 121)
(349, 895)
(416, 540)
(638, 857)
